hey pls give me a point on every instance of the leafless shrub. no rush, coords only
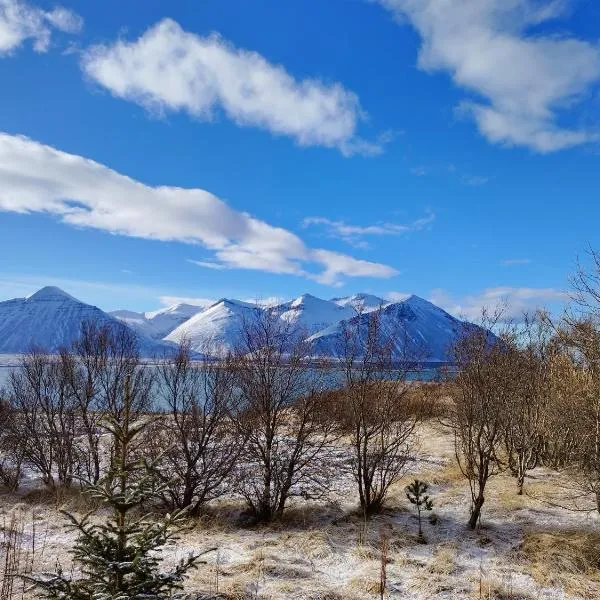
(482, 387)
(197, 440)
(379, 408)
(283, 419)
(45, 422)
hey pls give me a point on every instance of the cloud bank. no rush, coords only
(522, 77)
(35, 178)
(168, 69)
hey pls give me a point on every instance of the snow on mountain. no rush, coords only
(217, 329)
(50, 319)
(420, 330)
(364, 302)
(166, 320)
(311, 314)
(158, 324)
(137, 321)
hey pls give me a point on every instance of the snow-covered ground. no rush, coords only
(325, 551)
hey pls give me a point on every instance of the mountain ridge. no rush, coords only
(52, 318)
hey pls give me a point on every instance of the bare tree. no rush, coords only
(482, 387)
(197, 440)
(378, 410)
(283, 417)
(11, 448)
(46, 417)
(527, 355)
(584, 412)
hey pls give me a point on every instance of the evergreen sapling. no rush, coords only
(416, 493)
(116, 559)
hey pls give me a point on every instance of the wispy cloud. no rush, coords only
(169, 69)
(207, 264)
(515, 301)
(525, 78)
(20, 286)
(474, 180)
(353, 234)
(512, 262)
(35, 178)
(20, 21)
(419, 171)
(448, 169)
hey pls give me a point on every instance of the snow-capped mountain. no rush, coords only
(217, 329)
(419, 330)
(50, 319)
(311, 314)
(160, 323)
(362, 302)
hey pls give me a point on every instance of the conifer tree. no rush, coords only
(116, 558)
(416, 493)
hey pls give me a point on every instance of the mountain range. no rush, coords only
(51, 319)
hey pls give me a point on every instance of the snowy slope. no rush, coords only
(364, 302)
(217, 329)
(157, 324)
(311, 314)
(420, 330)
(137, 321)
(51, 318)
(166, 320)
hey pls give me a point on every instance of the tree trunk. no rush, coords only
(476, 511)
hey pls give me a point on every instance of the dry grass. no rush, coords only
(443, 561)
(566, 559)
(494, 589)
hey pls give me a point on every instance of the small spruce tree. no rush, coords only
(116, 559)
(416, 493)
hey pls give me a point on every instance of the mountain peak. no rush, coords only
(50, 293)
(306, 299)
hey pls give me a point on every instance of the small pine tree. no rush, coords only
(416, 493)
(117, 559)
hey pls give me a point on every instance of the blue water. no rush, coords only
(332, 379)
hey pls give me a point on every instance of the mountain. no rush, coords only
(420, 330)
(364, 302)
(159, 323)
(311, 314)
(50, 319)
(217, 329)
(137, 321)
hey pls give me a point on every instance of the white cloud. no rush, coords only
(337, 265)
(207, 264)
(169, 69)
(511, 262)
(514, 301)
(20, 21)
(35, 178)
(524, 78)
(353, 233)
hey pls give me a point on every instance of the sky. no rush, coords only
(156, 152)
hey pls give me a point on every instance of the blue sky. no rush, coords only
(266, 149)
